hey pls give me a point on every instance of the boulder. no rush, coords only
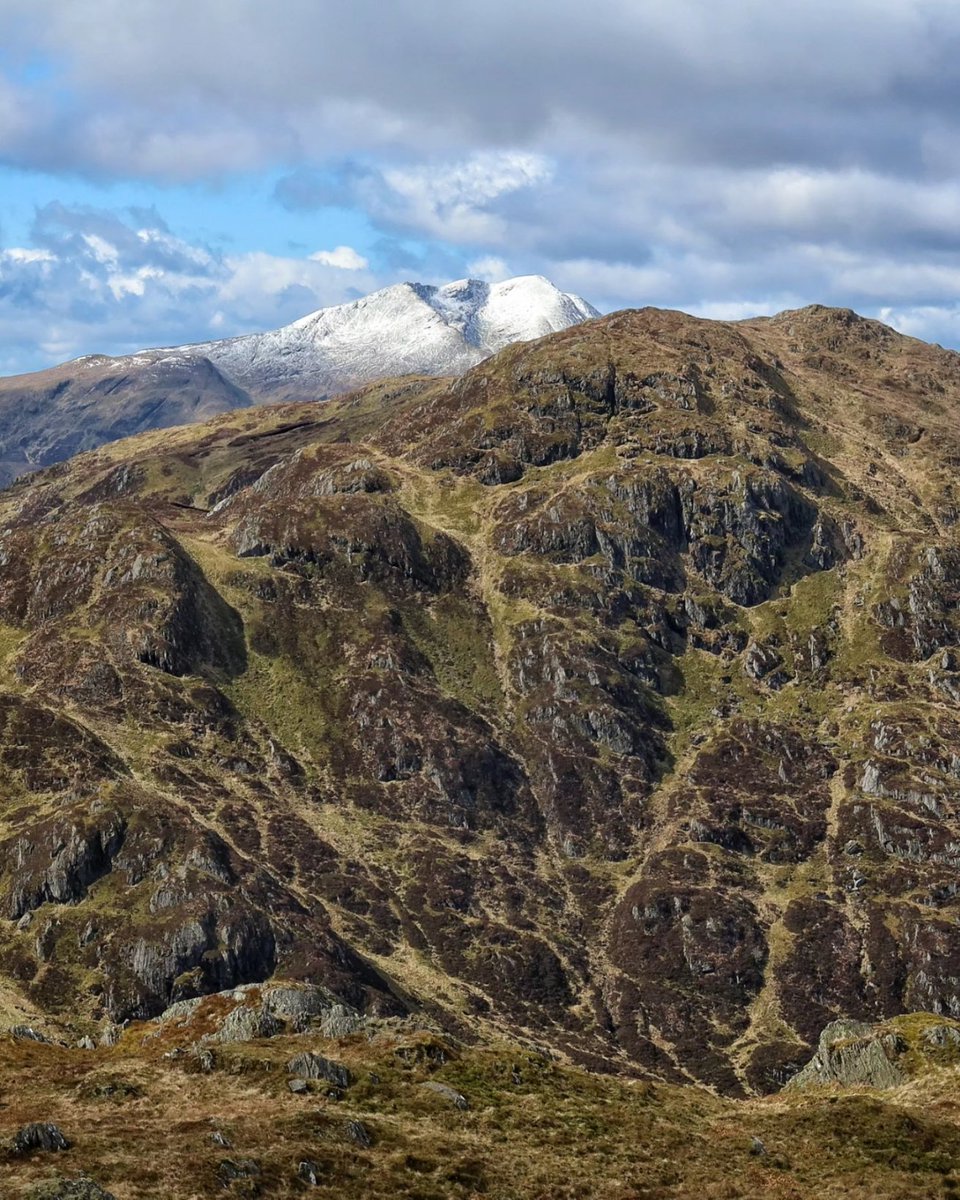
(457, 1099)
(359, 1134)
(850, 1052)
(309, 1172)
(230, 1170)
(315, 1066)
(942, 1037)
(38, 1136)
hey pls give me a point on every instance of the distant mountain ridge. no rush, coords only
(407, 329)
(410, 328)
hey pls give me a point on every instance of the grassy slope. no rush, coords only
(141, 1124)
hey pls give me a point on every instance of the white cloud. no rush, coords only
(932, 323)
(101, 284)
(101, 249)
(22, 254)
(452, 200)
(490, 268)
(345, 258)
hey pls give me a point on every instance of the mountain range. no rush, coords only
(411, 328)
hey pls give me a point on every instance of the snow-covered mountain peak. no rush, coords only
(408, 328)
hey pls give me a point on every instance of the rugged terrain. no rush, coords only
(47, 416)
(604, 697)
(396, 1112)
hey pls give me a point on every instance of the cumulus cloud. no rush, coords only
(460, 201)
(456, 201)
(707, 156)
(97, 280)
(343, 257)
(489, 268)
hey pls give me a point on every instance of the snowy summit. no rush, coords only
(410, 328)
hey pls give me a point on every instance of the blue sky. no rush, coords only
(176, 170)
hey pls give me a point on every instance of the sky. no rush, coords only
(176, 170)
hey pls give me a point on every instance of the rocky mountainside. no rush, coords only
(412, 328)
(394, 1111)
(605, 697)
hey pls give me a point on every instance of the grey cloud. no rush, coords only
(698, 154)
(741, 82)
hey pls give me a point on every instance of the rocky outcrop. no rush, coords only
(68, 1189)
(314, 1066)
(38, 1136)
(851, 1053)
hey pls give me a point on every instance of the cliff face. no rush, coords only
(608, 695)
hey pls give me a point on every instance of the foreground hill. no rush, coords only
(606, 696)
(414, 1114)
(47, 416)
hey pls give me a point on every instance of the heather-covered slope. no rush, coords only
(606, 695)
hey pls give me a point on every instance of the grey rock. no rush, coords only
(942, 1036)
(26, 1033)
(182, 1010)
(86, 1043)
(206, 1060)
(340, 1021)
(457, 1099)
(68, 1189)
(265, 1010)
(246, 1025)
(244, 1168)
(763, 663)
(309, 1172)
(849, 1053)
(315, 1066)
(359, 1134)
(297, 1004)
(39, 1136)
(298, 1086)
